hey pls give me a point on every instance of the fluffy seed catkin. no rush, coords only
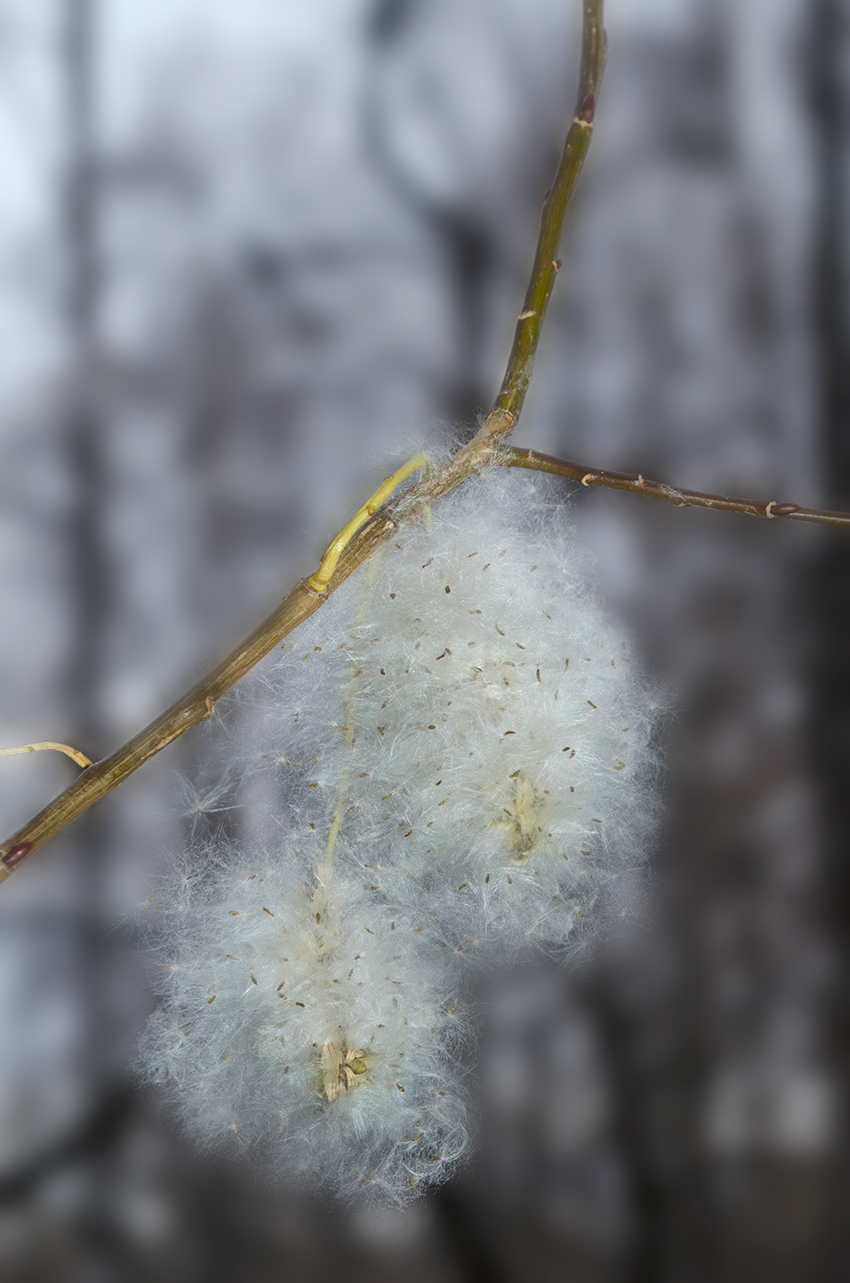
(304, 1027)
(503, 736)
(452, 759)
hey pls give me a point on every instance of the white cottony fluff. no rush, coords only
(500, 738)
(303, 1025)
(452, 759)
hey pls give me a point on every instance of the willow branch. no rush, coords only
(98, 780)
(509, 402)
(635, 483)
(304, 599)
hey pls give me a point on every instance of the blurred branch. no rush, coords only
(515, 457)
(480, 453)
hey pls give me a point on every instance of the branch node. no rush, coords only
(499, 422)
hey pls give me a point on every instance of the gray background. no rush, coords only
(247, 251)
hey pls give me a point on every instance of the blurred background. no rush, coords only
(247, 252)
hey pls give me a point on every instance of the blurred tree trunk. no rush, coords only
(103, 1110)
(831, 104)
(80, 233)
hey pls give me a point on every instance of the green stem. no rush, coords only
(508, 405)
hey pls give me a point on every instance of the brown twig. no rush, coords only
(635, 483)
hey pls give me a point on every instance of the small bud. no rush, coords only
(18, 853)
(587, 108)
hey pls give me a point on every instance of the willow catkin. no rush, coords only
(451, 761)
(304, 1026)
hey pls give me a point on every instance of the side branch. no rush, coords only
(509, 402)
(320, 580)
(516, 457)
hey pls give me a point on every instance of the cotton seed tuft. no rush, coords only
(455, 762)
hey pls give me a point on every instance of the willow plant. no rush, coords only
(464, 765)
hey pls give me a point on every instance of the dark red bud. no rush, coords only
(17, 853)
(586, 108)
(784, 509)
